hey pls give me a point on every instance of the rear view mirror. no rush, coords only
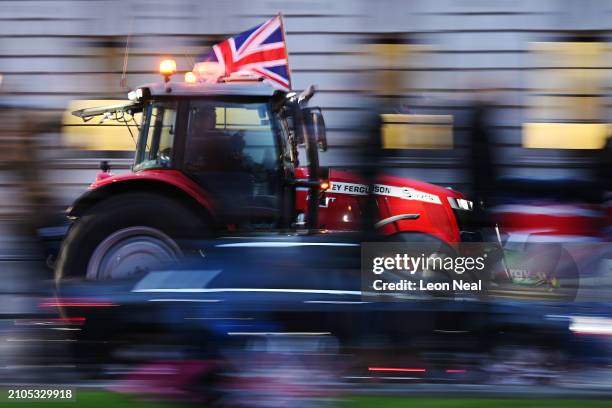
(315, 125)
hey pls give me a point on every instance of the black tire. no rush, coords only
(155, 211)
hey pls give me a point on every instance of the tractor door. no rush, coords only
(232, 151)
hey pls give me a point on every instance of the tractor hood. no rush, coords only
(396, 181)
(357, 183)
(404, 205)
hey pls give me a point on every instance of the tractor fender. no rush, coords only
(170, 183)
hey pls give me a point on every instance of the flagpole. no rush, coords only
(280, 15)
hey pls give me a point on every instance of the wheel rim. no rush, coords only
(130, 252)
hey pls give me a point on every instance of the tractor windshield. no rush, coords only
(157, 136)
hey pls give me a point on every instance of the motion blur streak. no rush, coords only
(591, 325)
(502, 107)
(404, 370)
(278, 334)
(76, 303)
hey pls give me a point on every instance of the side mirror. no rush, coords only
(315, 125)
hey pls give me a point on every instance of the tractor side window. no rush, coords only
(155, 145)
(230, 137)
(231, 150)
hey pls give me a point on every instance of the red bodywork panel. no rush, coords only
(174, 178)
(342, 205)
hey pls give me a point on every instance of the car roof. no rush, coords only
(228, 88)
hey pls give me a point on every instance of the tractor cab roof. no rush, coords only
(250, 88)
(174, 89)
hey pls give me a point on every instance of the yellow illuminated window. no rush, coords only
(240, 118)
(406, 131)
(565, 105)
(403, 131)
(97, 134)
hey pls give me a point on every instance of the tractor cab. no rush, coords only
(237, 141)
(210, 159)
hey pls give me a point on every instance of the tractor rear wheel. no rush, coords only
(126, 235)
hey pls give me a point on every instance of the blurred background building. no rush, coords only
(543, 66)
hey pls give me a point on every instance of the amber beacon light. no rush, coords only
(190, 77)
(167, 68)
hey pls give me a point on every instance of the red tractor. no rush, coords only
(223, 159)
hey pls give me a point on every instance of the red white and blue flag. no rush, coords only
(260, 51)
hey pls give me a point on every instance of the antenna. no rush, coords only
(126, 56)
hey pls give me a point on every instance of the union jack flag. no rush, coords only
(260, 51)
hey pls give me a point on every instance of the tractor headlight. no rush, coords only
(461, 204)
